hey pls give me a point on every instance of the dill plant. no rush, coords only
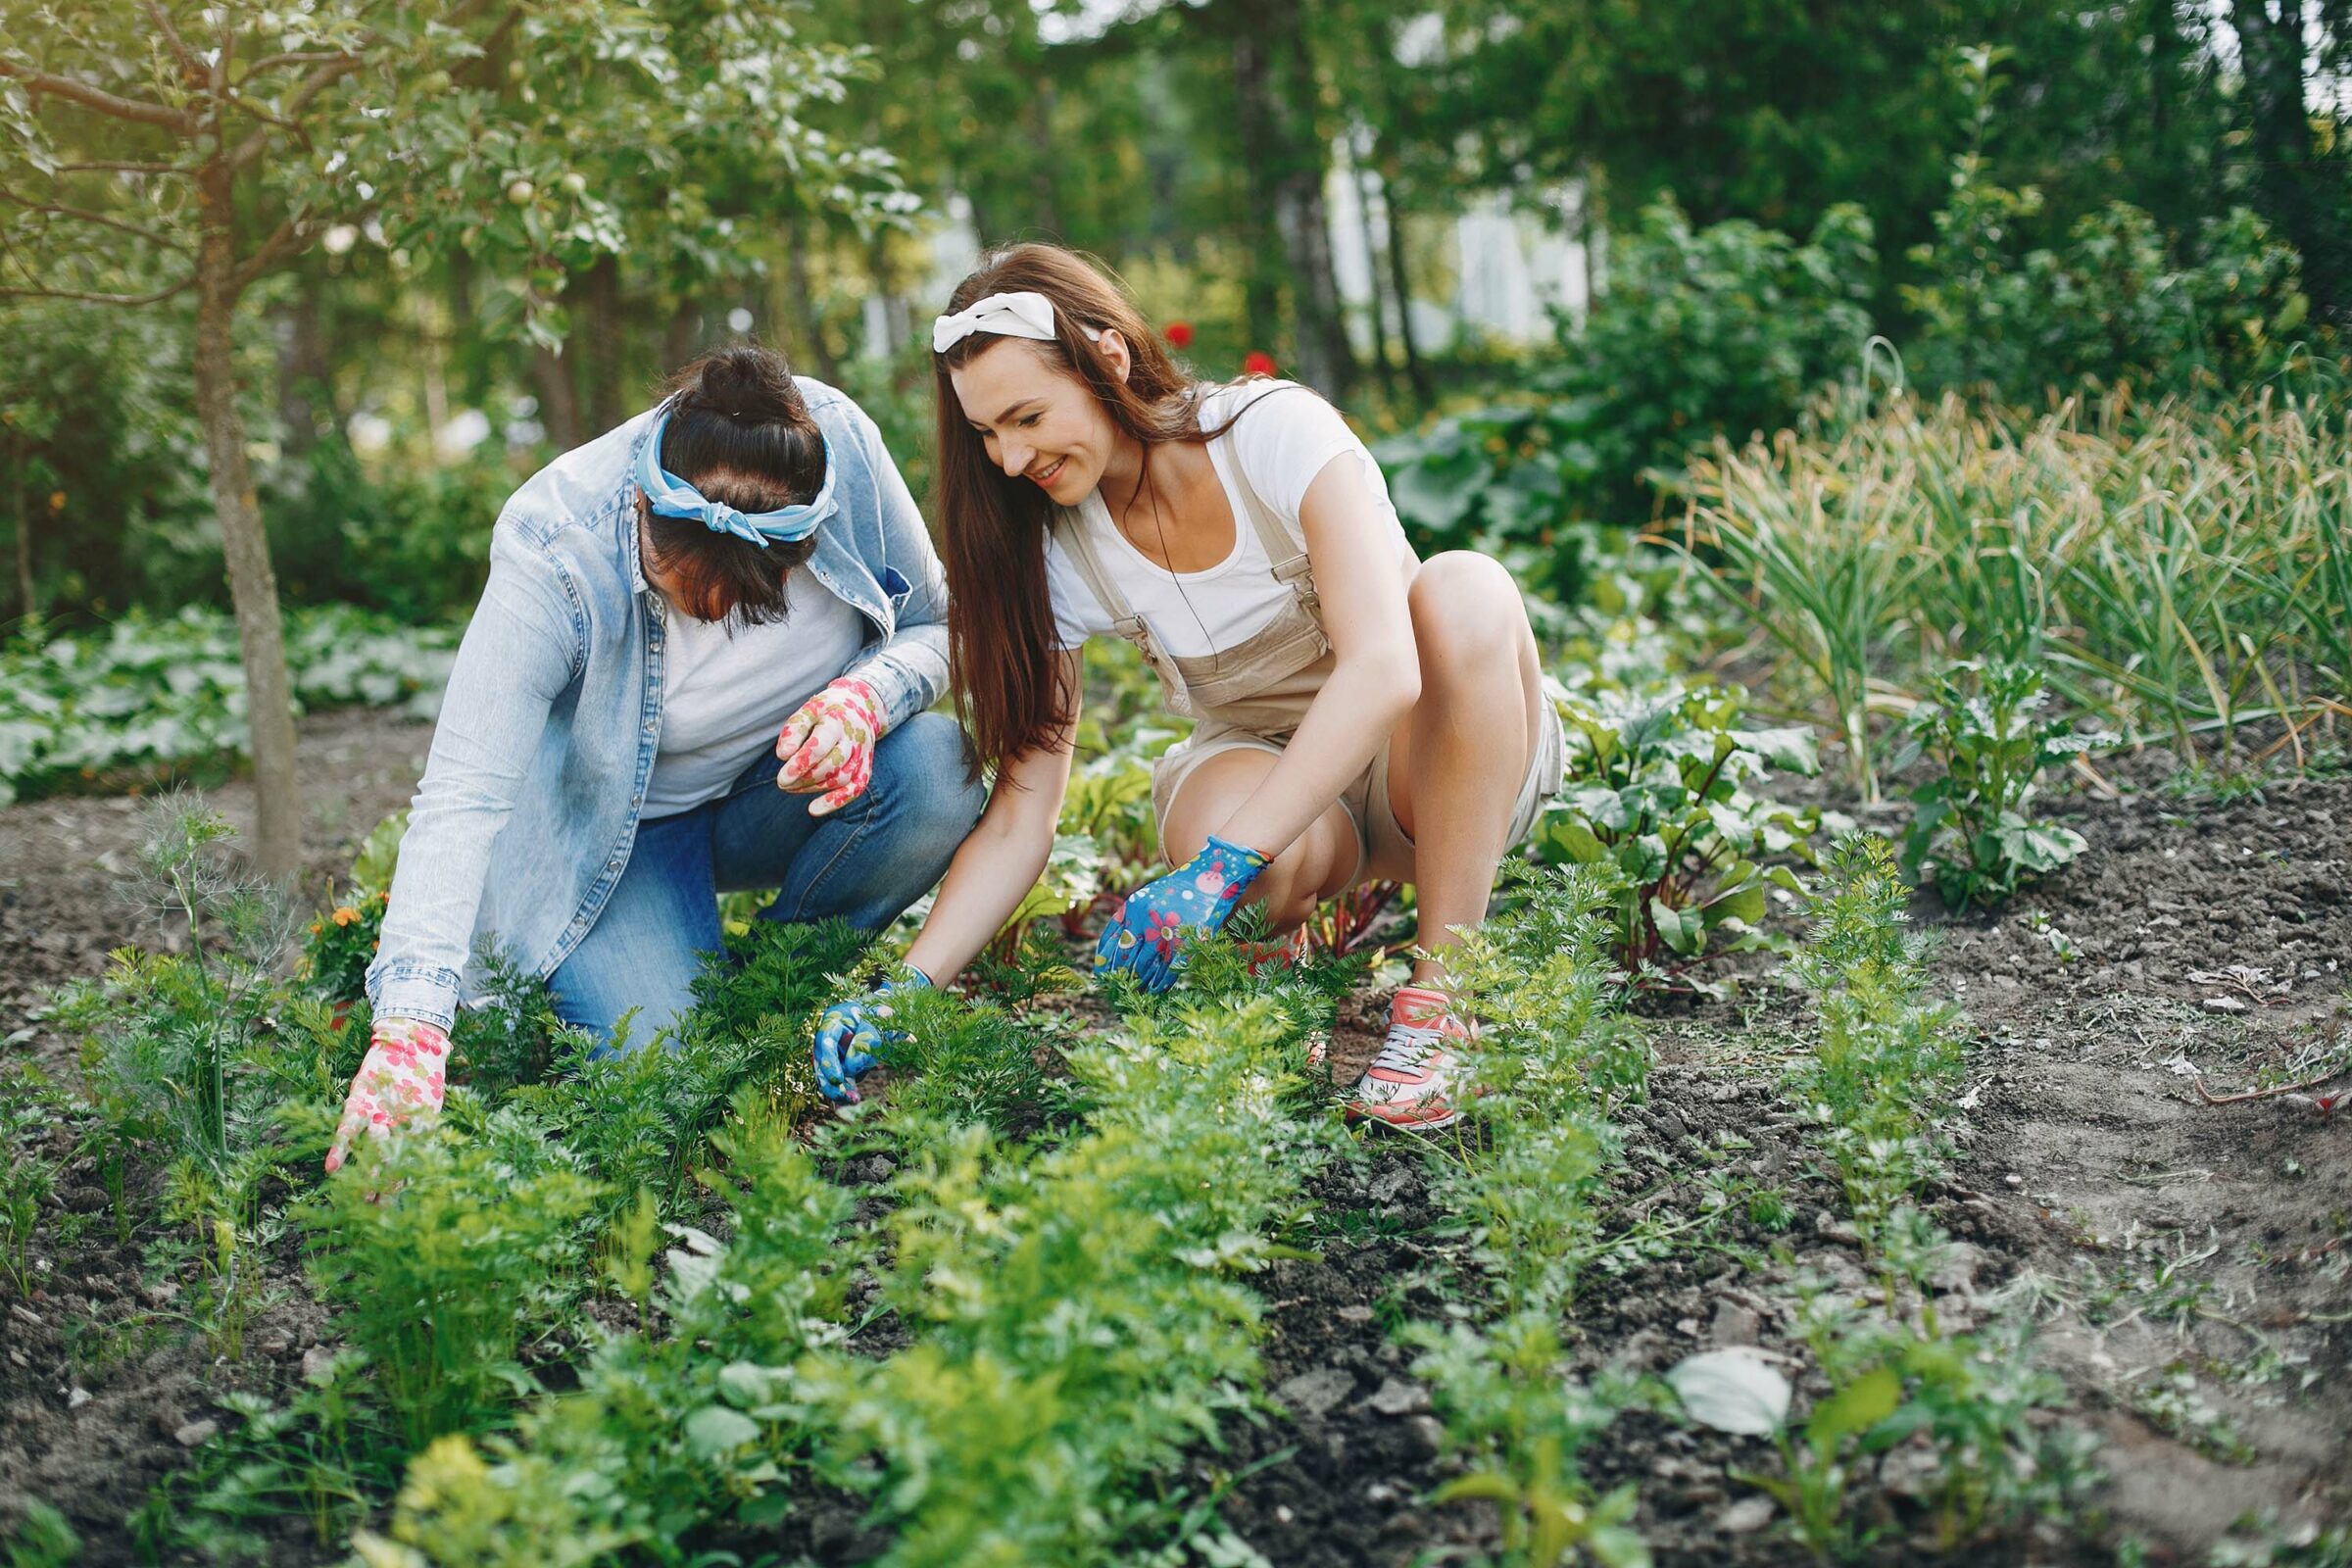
(198, 1055)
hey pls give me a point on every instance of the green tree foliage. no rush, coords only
(208, 149)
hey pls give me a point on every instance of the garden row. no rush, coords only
(637, 1311)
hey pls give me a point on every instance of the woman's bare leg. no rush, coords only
(1456, 763)
(1318, 863)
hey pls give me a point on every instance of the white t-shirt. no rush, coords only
(726, 693)
(1281, 449)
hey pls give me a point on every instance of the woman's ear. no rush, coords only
(1113, 347)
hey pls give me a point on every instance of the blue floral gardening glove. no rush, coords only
(1160, 916)
(856, 1026)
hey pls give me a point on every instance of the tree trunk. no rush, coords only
(1275, 74)
(1261, 280)
(1380, 325)
(1043, 211)
(24, 531)
(2271, 56)
(601, 345)
(304, 374)
(1402, 285)
(251, 584)
(682, 335)
(558, 401)
(804, 292)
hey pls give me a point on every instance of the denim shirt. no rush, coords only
(536, 780)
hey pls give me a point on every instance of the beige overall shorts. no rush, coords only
(1252, 695)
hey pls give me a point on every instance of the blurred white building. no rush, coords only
(1493, 271)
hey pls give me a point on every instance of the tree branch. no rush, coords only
(318, 82)
(156, 298)
(71, 90)
(238, 101)
(281, 240)
(188, 64)
(147, 235)
(111, 166)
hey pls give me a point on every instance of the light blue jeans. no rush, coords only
(865, 863)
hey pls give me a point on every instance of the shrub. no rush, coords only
(1725, 330)
(152, 696)
(2110, 305)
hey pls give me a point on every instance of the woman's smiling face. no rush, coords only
(1037, 421)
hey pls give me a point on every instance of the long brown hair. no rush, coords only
(992, 527)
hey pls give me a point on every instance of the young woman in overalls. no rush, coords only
(1359, 713)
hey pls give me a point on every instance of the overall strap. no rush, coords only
(1285, 548)
(1077, 542)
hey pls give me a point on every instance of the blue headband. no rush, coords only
(672, 496)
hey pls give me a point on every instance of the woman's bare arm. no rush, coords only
(1000, 861)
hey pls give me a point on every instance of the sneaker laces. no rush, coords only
(1409, 1047)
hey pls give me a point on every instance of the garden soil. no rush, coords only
(2187, 1263)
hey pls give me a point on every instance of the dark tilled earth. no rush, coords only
(2190, 1264)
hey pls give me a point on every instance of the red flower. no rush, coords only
(1180, 334)
(1257, 361)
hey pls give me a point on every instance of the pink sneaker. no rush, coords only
(1410, 1084)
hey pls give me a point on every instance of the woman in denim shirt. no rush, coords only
(698, 665)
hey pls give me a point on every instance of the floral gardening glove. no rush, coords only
(1191, 901)
(399, 1082)
(828, 745)
(856, 1026)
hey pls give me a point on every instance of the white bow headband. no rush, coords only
(1027, 314)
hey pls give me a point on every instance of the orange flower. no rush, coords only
(345, 916)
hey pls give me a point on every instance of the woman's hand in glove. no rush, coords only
(399, 1084)
(1158, 918)
(828, 746)
(849, 1033)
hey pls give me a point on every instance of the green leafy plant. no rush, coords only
(1658, 790)
(1967, 1402)
(1526, 1196)
(324, 1455)
(195, 1057)
(445, 1249)
(150, 695)
(26, 1181)
(1506, 1398)
(342, 943)
(1974, 833)
(42, 1538)
(1883, 1057)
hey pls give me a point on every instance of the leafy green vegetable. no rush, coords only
(1658, 792)
(1974, 833)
